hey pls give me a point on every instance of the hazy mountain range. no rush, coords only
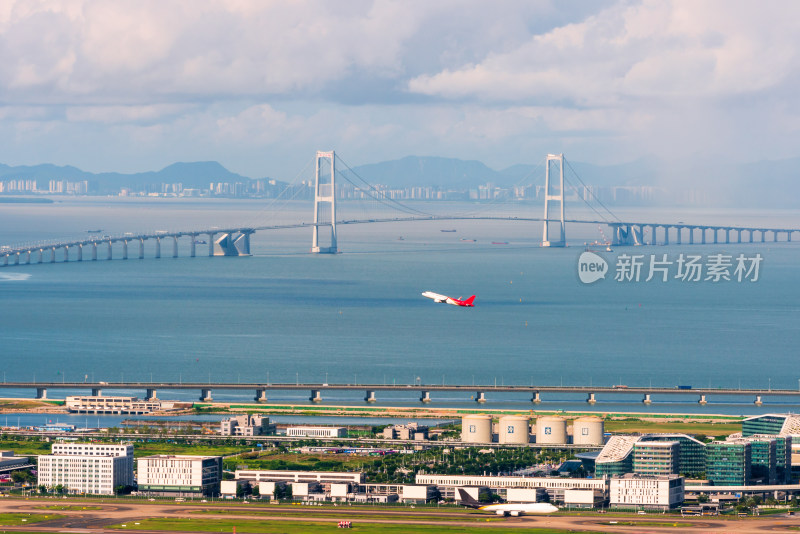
(764, 183)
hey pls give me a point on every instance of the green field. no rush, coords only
(15, 520)
(680, 427)
(258, 526)
(202, 449)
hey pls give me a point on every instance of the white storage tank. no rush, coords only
(588, 431)
(551, 430)
(476, 428)
(513, 429)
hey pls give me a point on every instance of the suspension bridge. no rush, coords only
(235, 240)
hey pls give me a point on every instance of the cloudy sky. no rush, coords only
(259, 85)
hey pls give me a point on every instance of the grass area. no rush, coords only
(14, 520)
(708, 429)
(21, 404)
(307, 462)
(67, 507)
(147, 448)
(25, 447)
(244, 526)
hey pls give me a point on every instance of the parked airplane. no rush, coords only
(514, 509)
(449, 300)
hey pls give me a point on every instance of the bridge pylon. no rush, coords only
(551, 196)
(324, 197)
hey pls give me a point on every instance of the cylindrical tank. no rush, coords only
(551, 430)
(588, 431)
(513, 429)
(476, 428)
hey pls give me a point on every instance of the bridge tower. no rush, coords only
(324, 196)
(553, 196)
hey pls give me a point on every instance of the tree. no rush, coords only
(702, 498)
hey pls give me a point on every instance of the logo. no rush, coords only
(591, 267)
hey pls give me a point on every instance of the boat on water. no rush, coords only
(200, 242)
(453, 230)
(499, 242)
(98, 231)
(467, 240)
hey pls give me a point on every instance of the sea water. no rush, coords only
(283, 315)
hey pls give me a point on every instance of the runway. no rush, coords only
(286, 518)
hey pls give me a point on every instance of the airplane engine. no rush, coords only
(501, 512)
(514, 513)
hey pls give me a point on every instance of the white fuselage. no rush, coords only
(436, 297)
(520, 508)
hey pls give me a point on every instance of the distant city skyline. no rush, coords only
(259, 86)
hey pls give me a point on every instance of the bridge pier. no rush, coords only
(536, 399)
(158, 247)
(702, 400)
(751, 234)
(727, 236)
(763, 235)
(789, 236)
(193, 247)
(52, 254)
(739, 235)
(174, 246)
(758, 401)
(590, 399)
(66, 253)
(28, 257)
(80, 252)
(109, 250)
(425, 397)
(775, 236)
(370, 396)
(703, 234)
(211, 244)
(5, 260)
(141, 248)
(41, 393)
(261, 395)
(124, 249)
(16, 258)
(480, 397)
(40, 256)
(97, 392)
(647, 400)
(666, 235)
(94, 251)
(653, 240)
(151, 395)
(716, 240)
(691, 235)
(315, 396)
(678, 235)
(205, 395)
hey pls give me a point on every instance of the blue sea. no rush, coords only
(284, 315)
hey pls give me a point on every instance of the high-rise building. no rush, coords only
(728, 463)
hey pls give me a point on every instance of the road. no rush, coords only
(98, 521)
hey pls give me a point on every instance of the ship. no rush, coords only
(453, 230)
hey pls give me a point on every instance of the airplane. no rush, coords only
(514, 509)
(449, 300)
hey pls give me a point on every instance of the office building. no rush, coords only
(94, 468)
(653, 492)
(728, 463)
(246, 425)
(316, 431)
(179, 475)
(653, 458)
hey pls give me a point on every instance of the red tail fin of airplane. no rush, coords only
(468, 302)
